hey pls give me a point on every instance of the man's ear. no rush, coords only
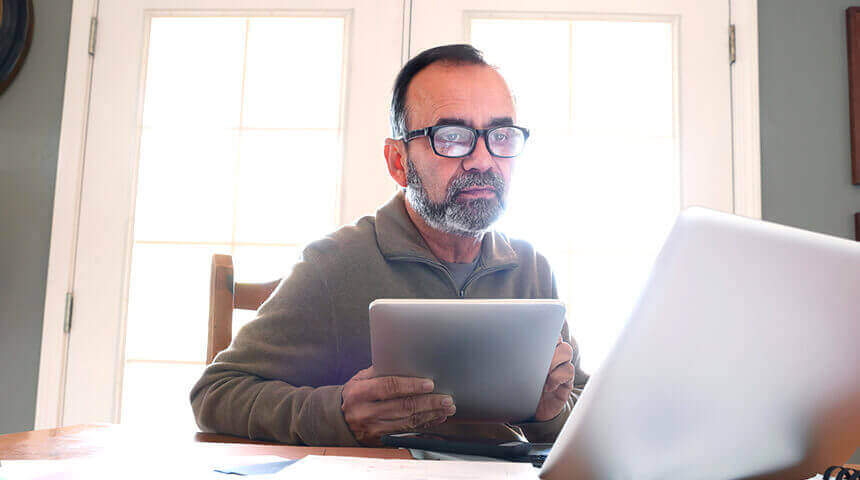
(395, 158)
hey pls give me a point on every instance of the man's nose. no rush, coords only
(480, 159)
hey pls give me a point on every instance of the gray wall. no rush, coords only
(30, 111)
(806, 169)
(803, 68)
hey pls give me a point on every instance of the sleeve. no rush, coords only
(278, 380)
(546, 432)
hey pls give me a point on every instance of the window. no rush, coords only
(602, 161)
(240, 153)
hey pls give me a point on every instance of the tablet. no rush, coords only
(491, 356)
(443, 444)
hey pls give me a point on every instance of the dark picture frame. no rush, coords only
(16, 35)
(857, 226)
(852, 15)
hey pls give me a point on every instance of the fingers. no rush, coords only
(561, 371)
(370, 420)
(563, 354)
(556, 391)
(364, 374)
(551, 403)
(409, 406)
(413, 422)
(405, 407)
(386, 388)
(559, 376)
(563, 391)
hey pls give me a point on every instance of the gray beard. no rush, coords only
(467, 218)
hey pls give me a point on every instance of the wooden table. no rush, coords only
(98, 440)
(102, 439)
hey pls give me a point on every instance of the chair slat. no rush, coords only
(224, 296)
(220, 306)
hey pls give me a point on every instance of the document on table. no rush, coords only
(110, 467)
(354, 468)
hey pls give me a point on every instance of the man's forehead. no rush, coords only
(472, 94)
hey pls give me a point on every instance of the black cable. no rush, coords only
(842, 473)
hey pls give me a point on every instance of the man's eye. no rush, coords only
(500, 137)
(452, 137)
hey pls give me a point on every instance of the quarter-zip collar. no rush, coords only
(398, 239)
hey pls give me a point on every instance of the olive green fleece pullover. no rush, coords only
(282, 376)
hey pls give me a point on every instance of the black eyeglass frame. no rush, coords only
(429, 132)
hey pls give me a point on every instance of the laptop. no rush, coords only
(741, 359)
(491, 356)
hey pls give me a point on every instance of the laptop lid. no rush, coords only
(740, 358)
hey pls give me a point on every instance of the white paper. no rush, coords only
(233, 462)
(131, 467)
(34, 469)
(354, 468)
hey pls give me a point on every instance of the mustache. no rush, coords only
(476, 179)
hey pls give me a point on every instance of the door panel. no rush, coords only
(628, 103)
(205, 135)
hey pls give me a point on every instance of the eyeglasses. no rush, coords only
(456, 141)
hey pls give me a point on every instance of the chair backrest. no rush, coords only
(224, 296)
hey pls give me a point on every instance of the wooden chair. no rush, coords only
(224, 296)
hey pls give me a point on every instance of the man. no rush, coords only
(300, 372)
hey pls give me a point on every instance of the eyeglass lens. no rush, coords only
(455, 141)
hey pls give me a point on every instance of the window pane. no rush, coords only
(288, 185)
(242, 318)
(185, 185)
(258, 264)
(622, 78)
(603, 287)
(254, 264)
(609, 193)
(194, 72)
(168, 307)
(293, 75)
(157, 395)
(540, 81)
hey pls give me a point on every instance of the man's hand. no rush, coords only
(559, 383)
(374, 407)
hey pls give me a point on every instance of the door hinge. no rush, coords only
(94, 25)
(732, 45)
(67, 318)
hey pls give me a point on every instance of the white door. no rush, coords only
(243, 127)
(629, 106)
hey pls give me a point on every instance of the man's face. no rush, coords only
(464, 195)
